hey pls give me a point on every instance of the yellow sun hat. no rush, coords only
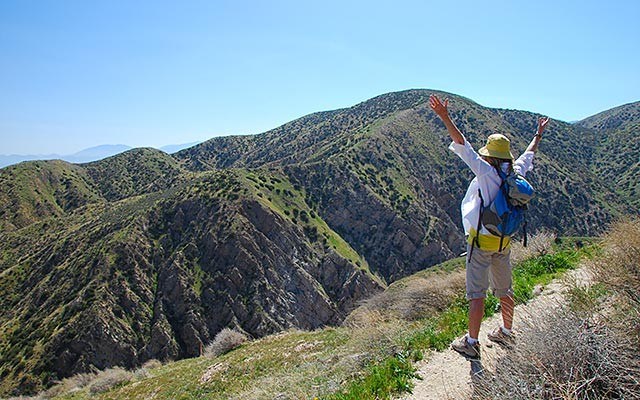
(498, 146)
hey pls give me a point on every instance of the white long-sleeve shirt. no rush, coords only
(488, 181)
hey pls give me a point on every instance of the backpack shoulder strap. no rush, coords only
(476, 241)
(503, 188)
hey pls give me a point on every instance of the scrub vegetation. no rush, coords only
(371, 356)
(587, 349)
(146, 255)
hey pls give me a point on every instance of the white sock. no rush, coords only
(505, 330)
(471, 340)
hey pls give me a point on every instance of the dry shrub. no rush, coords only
(78, 381)
(410, 299)
(97, 382)
(538, 245)
(619, 268)
(588, 349)
(68, 385)
(140, 374)
(225, 341)
(563, 356)
(145, 370)
(380, 335)
(151, 364)
(109, 379)
(364, 317)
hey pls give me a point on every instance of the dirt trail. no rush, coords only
(448, 376)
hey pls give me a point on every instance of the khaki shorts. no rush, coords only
(488, 269)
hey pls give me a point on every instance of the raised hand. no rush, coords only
(542, 125)
(439, 107)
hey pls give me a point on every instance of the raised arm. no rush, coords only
(441, 109)
(542, 124)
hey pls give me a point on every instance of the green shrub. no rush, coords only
(394, 375)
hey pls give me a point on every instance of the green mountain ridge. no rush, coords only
(125, 281)
(617, 142)
(148, 255)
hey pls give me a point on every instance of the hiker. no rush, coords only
(487, 254)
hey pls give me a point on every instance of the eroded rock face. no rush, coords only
(394, 243)
(182, 278)
(262, 277)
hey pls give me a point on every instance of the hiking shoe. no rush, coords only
(462, 346)
(501, 338)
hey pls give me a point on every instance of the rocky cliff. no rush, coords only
(158, 275)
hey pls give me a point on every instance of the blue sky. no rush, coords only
(74, 74)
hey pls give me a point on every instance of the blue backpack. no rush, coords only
(507, 212)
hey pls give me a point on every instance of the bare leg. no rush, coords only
(476, 312)
(507, 304)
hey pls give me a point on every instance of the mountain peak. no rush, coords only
(148, 255)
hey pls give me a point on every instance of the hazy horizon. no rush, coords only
(100, 146)
(80, 74)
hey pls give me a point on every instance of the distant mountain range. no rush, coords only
(87, 155)
(148, 255)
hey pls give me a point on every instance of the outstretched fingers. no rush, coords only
(434, 102)
(542, 124)
(437, 106)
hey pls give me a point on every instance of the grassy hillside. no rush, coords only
(617, 158)
(146, 255)
(134, 172)
(157, 275)
(370, 356)
(36, 190)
